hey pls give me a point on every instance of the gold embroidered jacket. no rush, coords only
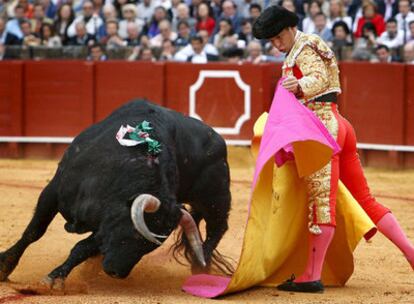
(317, 64)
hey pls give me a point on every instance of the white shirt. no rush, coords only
(145, 12)
(92, 26)
(188, 51)
(400, 21)
(391, 43)
(346, 19)
(308, 25)
(158, 39)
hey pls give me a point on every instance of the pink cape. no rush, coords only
(289, 125)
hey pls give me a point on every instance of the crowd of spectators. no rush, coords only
(200, 31)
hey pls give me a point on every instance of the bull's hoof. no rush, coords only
(57, 284)
(5, 268)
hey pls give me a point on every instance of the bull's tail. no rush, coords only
(216, 261)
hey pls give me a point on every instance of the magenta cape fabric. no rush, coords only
(288, 122)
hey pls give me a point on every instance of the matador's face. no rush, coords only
(284, 40)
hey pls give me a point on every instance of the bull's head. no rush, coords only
(148, 203)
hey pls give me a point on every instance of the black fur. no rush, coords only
(97, 179)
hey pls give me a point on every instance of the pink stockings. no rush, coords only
(388, 225)
(318, 245)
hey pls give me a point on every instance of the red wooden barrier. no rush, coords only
(227, 97)
(61, 98)
(409, 113)
(117, 82)
(11, 107)
(373, 101)
(58, 100)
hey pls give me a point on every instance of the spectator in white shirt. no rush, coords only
(313, 9)
(146, 9)
(188, 51)
(393, 38)
(405, 16)
(92, 21)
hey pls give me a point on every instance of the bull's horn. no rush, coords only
(145, 203)
(193, 236)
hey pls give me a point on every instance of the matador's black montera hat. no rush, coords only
(272, 21)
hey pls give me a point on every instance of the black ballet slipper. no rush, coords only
(311, 287)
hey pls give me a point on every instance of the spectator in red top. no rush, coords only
(369, 14)
(204, 19)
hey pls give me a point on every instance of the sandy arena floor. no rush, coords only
(381, 275)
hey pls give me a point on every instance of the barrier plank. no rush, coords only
(228, 97)
(373, 100)
(11, 77)
(58, 97)
(117, 82)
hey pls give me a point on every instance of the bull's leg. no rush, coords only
(213, 200)
(83, 250)
(46, 210)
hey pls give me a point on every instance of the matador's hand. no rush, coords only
(291, 84)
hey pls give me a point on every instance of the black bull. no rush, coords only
(98, 181)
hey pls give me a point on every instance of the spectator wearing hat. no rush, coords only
(393, 38)
(129, 12)
(369, 14)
